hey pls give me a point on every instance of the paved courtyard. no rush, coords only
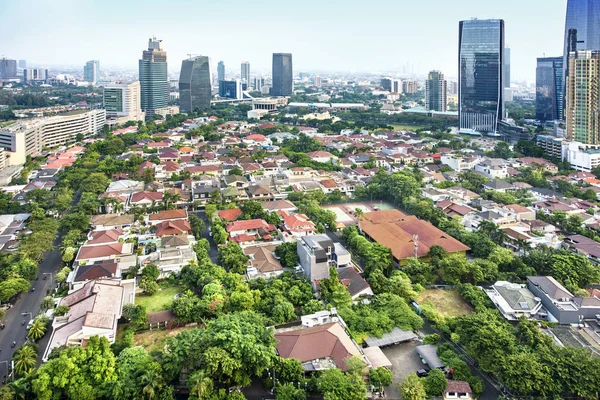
(405, 361)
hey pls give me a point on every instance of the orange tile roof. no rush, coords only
(230, 215)
(151, 196)
(170, 214)
(176, 227)
(247, 225)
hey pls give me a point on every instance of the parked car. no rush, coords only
(422, 373)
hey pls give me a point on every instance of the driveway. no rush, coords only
(405, 361)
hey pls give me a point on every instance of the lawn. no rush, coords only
(156, 339)
(159, 301)
(407, 127)
(447, 302)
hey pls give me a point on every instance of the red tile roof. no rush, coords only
(329, 183)
(176, 227)
(104, 250)
(167, 215)
(251, 224)
(108, 236)
(149, 196)
(230, 215)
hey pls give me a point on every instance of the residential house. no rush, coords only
(322, 156)
(230, 215)
(260, 193)
(552, 205)
(236, 181)
(121, 252)
(296, 225)
(263, 262)
(584, 246)
(355, 284)
(434, 194)
(144, 198)
(498, 186)
(176, 227)
(493, 168)
(515, 301)
(453, 209)
(82, 274)
(125, 186)
(112, 221)
(250, 231)
(317, 253)
(458, 390)
(523, 213)
(279, 205)
(172, 253)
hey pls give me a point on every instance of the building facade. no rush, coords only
(154, 81)
(582, 112)
(481, 71)
(436, 92)
(506, 68)
(122, 101)
(195, 84)
(91, 71)
(392, 85)
(283, 83)
(410, 87)
(549, 89)
(35, 75)
(221, 71)
(8, 68)
(231, 89)
(245, 72)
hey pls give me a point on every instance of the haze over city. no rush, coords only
(352, 35)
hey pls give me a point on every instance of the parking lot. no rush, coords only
(405, 361)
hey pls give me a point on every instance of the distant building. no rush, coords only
(549, 89)
(245, 72)
(582, 100)
(31, 75)
(258, 83)
(8, 68)
(392, 85)
(91, 71)
(195, 84)
(154, 81)
(231, 89)
(122, 101)
(436, 92)
(22, 64)
(410, 87)
(507, 68)
(318, 81)
(283, 74)
(481, 66)
(453, 88)
(221, 71)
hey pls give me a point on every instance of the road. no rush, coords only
(28, 303)
(214, 250)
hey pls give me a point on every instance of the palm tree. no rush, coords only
(359, 213)
(152, 381)
(200, 384)
(25, 360)
(37, 330)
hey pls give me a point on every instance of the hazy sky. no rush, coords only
(325, 35)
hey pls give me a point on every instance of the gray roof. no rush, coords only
(498, 185)
(550, 287)
(428, 352)
(489, 215)
(397, 335)
(517, 297)
(352, 280)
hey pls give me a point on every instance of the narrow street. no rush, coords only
(214, 250)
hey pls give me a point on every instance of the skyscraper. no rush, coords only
(582, 30)
(480, 70)
(91, 71)
(507, 68)
(22, 63)
(195, 84)
(392, 85)
(436, 92)
(410, 86)
(245, 70)
(221, 71)
(549, 89)
(259, 82)
(231, 89)
(122, 102)
(582, 112)
(8, 68)
(35, 75)
(154, 81)
(283, 82)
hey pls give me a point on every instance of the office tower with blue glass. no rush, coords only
(283, 83)
(549, 89)
(507, 68)
(231, 89)
(8, 68)
(221, 71)
(154, 81)
(195, 84)
(481, 72)
(91, 71)
(245, 73)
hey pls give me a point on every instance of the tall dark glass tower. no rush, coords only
(282, 74)
(481, 71)
(549, 89)
(221, 71)
(582, 31)
(154, 80)
(195, 86)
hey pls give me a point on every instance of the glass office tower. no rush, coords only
(195, 84)
(582, 111)
(582, 30)
(481, 71)
(283, 84)
(436, 92)
(154, 80)
(549, 89)
(221, 71)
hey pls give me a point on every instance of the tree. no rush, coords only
(435, 383)
(137, 373)
(96, 183)
(288, 254)
(232, 257)
(135, 314)
(149, 286)
(200, 384)
(252, 210)
(358, 213)
(25, 359)
(59, 311)
(412, 388)
(62, 275)
(236, 171)
(151, 272)
(38, 329)
(197, 225)
(288, 391)
(11, 287)
(220, 235)
(47, 303)
(380, 377)
(337, 385)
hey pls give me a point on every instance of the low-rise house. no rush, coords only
(202, 193)
(537, 162)
(355, 284)
(125, 186)
(230, 215)
(279, 205)
(168, 215)
(317, 253)
(499, 186)
(236, 181)
(461, 194)
(112, 221)
(552, 205)
(169, 228)
(328, 186)
(523, 213)
(493, 168)
(297, 225)
(109, 251)
(250, 231)
(458, 390)
(434, 194)
(105, 236)
(172, 253)
(322, 156)
(514, 301)
(262, 263)
(453, 209)
(144, 198)
(584, 246)
(260, 193)
(106, 269)
(94, 310)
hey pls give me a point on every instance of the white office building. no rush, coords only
(122, 102)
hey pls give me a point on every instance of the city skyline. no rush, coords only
(298, 31)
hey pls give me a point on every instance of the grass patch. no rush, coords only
(160, 300)
(413, 128)
(448, 303)
(156, 339)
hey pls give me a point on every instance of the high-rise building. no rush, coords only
(318, 81)
(22, 63)
(507, 68)
(91, 71)
(154, 81)
(245, 72)
(549, 89)
(231, 89)
(480, 70)
(436, 92)
(8, 68)
(411, 87)
(259, 82)
(283, 75)
(453, 88)
(582, 114)
(221, 71)
(195, 84)
(35, 75)
(122, 101)
(582, 30)
(392, 85)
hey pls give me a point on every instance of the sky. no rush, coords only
(377, 36)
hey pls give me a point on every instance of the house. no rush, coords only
(105, 236)
(493, 168)
(461, 194)
(230, 215)
(322, 156)
(279, 205)
(407, 236)
(106, 269)
(355, 284)
(458, 390)
(514, 301)
(297, 225)
(125, 186)
(172, 253)
(263, 262)
(112, 221)
(328, 186)
(524, 213)
(259, 193)
(236, 181)
(94, 310)
(584, 246)
(551, 205)
(202, 193)
(536, 162)
(177, 227)
(168, 215)
(250, 230)
(109, 251)
(453, 209)
(145, 198)
(498, 186)
(433, 194)
(317, 253)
